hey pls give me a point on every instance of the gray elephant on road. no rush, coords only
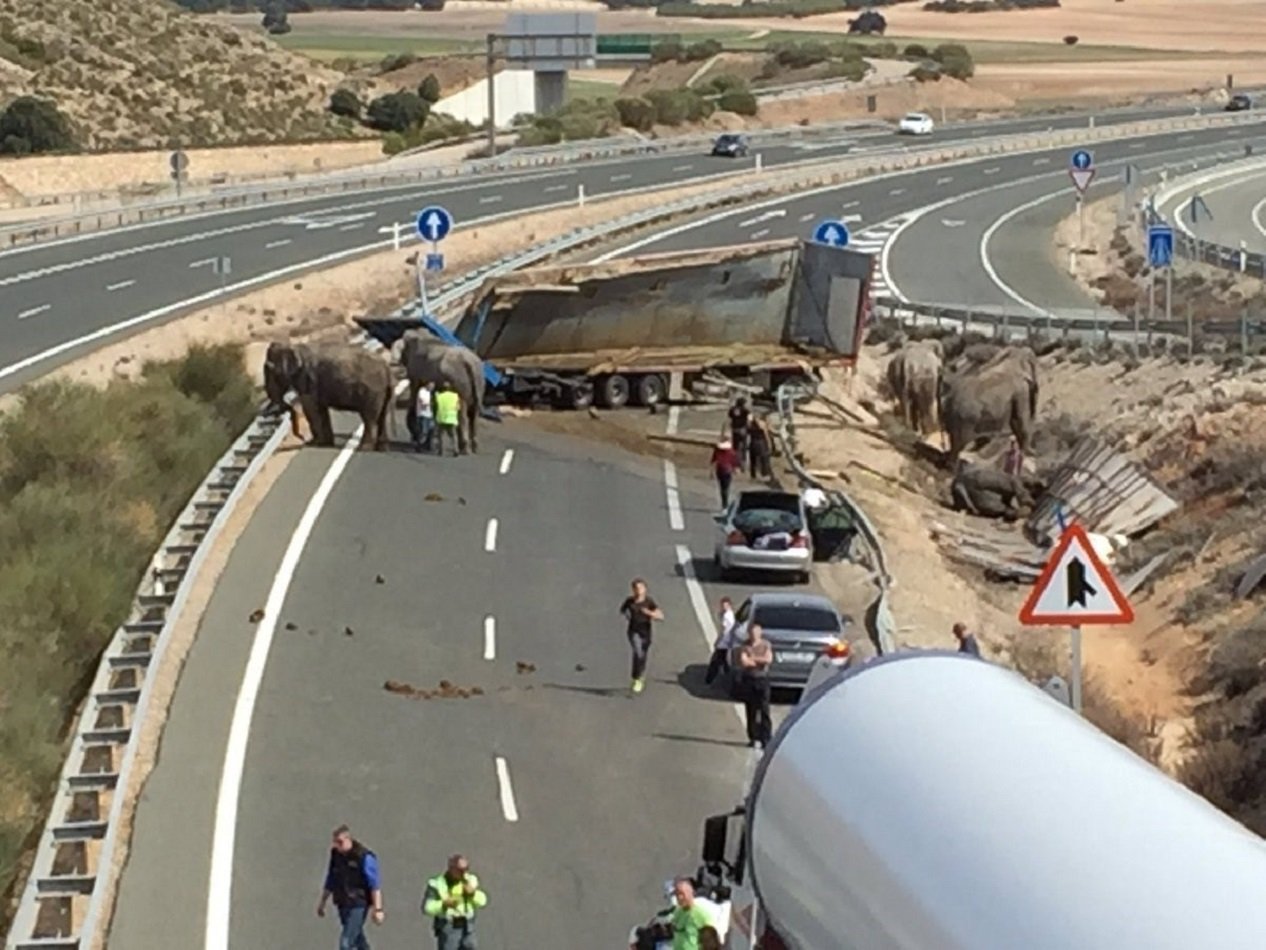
(989, 492)
(427, 359)
(914, 376)
(331, 376)
(978, 402)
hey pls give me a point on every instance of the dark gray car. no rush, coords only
(800, 627)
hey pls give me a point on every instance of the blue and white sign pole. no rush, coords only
(433, 224)
(1081, 169)
(831, 233)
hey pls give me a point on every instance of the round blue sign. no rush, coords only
(434, 223)
(1082, 160)
(834, 233)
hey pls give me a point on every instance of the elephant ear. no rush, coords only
(303, 373)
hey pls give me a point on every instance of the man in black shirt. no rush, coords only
(740, 420)
(640, 611)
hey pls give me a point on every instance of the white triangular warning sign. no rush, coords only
(1082, 177)
(1076, 588)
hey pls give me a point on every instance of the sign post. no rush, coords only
(433, 224)
(1160, 253)
(1081, 169)
(831, 233)
(179, 165)
(1076, 589)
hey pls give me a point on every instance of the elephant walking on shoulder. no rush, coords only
(427, 359)
(914, 376)
(331, 376)
(982, 402)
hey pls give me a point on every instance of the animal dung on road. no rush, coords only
(349, 632)
(256, 615)
(433, 496)
(522, 667)
(292, 626)
(380, 579)
(446, 690)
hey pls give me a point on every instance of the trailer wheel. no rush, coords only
(580, 395)
(651, 388)
(613, 391)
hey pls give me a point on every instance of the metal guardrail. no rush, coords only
(63, 906)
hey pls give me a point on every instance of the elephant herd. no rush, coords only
(982, 393)
(333, 376)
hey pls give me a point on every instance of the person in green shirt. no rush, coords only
(688, 917)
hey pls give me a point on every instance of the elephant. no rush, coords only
(986, 491)
(978, 402)
(331, 376)
(914, 376)
(427, 359)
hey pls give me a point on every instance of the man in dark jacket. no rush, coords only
(352, 879)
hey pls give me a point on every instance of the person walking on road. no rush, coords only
(688, 917)
(720, 660)
(966, 641)
(640, 611)
(740, 421)
(424, 431)
(448, 407)
(755, 656)
(759, 449)
(725, 462)
(353, 881)
(453, 899)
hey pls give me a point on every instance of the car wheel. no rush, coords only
(804, 577)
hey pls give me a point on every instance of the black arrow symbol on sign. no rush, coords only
(1078, 587)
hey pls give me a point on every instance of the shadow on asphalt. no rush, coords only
(703, 740)
(606, 692)
(691, 680)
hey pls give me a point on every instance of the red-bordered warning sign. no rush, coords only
(1076, 588)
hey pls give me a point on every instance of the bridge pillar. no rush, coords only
(551, 91)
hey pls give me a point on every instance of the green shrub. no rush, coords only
(636, 113)
(738, 101)
(955, 60)
(698, 52)
(724, 83)
(915, 51)
(848, 51)
(30, 125)
(673, 107)
(90, 480)
(728, 11)
(667, 52)
(883, 50)
(539, 134)
(801, 55)
(396, 61)
(429, 89)
(853, 70)
(346, 103)
(926, 72)
(393, 143)
(396, 112)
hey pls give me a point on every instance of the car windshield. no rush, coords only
(793, 617)
(728, 140)
(914, 117)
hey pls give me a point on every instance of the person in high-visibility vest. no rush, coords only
(448, 407)
(453, 898)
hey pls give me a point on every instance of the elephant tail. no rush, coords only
(387, 418)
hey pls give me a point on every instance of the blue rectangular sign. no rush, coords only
(435, 262)
(1160, 245)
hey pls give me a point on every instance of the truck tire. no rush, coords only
(613, 391)
(580, 395)
(651, 389)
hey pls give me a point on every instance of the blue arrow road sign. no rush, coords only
(1160, 245)
(834, 233)
(434, 223)
(1082, 160)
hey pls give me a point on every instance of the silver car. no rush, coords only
(800, 628)
(764, 530)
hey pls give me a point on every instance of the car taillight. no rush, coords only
(799, 540)
(735, 537)
(838, 649)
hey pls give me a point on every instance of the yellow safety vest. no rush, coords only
(437, 892)
(446, 408)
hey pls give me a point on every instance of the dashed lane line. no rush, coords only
(699, 601)
(34, 311)
(490, 199)
(508, 807)
(490, 638)
(507, 459)
(120, 285)
(490, 535)
(281, 243)
(675, 519)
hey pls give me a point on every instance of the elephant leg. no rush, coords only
(463, 434)
(962, 498)
(327, 426)
(473, 415)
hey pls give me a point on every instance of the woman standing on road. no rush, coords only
(724, 463)
(640, 611)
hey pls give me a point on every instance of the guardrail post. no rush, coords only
(1243, 256)
(758, 161)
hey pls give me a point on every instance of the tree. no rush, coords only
(274, 20)
(955, 60)
(429, 89)
(738, 101)
(38, 124)
(636, 113)
(346, 103)
(396, 112)
(872, 21)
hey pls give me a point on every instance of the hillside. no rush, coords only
(142, 73)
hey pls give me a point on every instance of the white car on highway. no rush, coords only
(915, 123)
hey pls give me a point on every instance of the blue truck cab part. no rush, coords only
(389, 330)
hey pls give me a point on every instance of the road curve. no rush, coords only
(573, 800)
(1235, 198)
(151, 272)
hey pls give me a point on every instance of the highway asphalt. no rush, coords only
(61, 298)
(1236, 203)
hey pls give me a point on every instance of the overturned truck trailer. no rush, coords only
(646, 329)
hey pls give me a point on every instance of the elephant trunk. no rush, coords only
(275, 387)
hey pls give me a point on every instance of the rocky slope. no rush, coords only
(142, 73)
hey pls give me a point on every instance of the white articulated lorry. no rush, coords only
(931, 801)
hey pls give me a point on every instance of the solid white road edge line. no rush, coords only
(506, 460)
(675, 519)
(702, 614)
(490, 535)
(224, 837)
(508, 808)
(490, 638)
(1257, 216)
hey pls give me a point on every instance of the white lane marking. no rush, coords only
(490, 638)
(202, 263)
(990, 231)
(224, 836)
(1257, 216)
(620, 177)
(508, 808)
(757, 235)
(506, 459)
(1137, 145)
(848, 204)
(674, 419)
(34, 311)
(682, 168)
(489, 199)
(556, 188)
(808, 217)
(282, 243)
(351, 227)
(897, 191)
(699, 601)
(120, 285)
(992, 171)
(945, 179)
(490, 535)
(1041, 161)
(764, 216)
(675, 519)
